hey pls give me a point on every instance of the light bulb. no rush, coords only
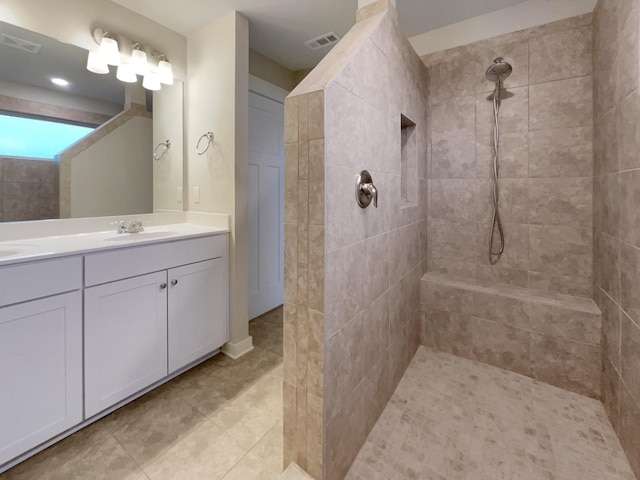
(151, 81)
(165, 72)
(96, 64)
(139, 62)
(126, 73)
(109, 51)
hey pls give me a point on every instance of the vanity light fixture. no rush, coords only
(109, 49)
(151, 81)
(96, 64)
(165, 71)
(131, 58)
(139, 61)
(126, 74)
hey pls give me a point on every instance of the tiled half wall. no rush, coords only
(352, 275)
(304, 271)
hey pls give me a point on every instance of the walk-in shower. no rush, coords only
(497, 73)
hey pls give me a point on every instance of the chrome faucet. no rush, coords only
(134, 227)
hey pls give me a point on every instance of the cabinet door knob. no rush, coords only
(174, 282)
(163, 286)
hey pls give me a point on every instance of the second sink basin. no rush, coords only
(132, 237)
(9, 249)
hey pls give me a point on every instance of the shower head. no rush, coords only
(498, 71)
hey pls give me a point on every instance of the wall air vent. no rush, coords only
(322, 41)
(20, 44)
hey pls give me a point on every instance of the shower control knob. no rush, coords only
(366, 190)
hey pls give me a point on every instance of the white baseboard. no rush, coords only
(237, 350)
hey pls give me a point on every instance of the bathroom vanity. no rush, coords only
(88, 322)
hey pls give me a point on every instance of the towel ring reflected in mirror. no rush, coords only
(166, 145)
(209, 137)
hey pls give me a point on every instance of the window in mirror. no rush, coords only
(37, 137)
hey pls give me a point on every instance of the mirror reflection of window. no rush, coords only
(37, 138)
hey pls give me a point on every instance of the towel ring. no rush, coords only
(209, 137)
(166, 146)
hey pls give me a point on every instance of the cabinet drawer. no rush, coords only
(130, 262)
(33, 280)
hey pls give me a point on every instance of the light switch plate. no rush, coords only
(196, 194)
(179, 194)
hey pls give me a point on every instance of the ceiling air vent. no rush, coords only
(322, 41)
(20, 44)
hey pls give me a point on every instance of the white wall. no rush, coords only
(168, 125)
(73, 21)
(114, 176)
(217, 101)
(511, 19)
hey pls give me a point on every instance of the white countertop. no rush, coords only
(40, 248)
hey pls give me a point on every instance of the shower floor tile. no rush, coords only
(456, 419)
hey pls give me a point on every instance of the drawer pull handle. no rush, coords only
(163, 286)
(174, 282)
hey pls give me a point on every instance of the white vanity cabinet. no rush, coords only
(125, 338)
(88, 331)
(198, 311)
(40, 353)
(150, 311)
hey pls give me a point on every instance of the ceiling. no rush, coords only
(279, 28)
(55, 59)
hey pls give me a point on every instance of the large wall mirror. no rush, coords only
(76, 144)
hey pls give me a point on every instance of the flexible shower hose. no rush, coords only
(494, 255)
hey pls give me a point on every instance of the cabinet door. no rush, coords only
(125, 338)
(198, 311)
(40, 371)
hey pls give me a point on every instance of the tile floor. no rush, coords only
(449, 419)
(220, 420)
(454, 419)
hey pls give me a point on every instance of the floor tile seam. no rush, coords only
(149, 464)
(140, 466)
(202, 420)
(222, 477)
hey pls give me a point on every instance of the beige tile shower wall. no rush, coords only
(28, 189)
(616, 217)
(546, 160)
(304, 237)
(374, 256)
(352, 296)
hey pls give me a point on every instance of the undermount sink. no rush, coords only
(132, 237)
(9, 249)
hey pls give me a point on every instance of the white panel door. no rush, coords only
(198, 311)
(40, 371)
(266, 204)
(125, 339)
